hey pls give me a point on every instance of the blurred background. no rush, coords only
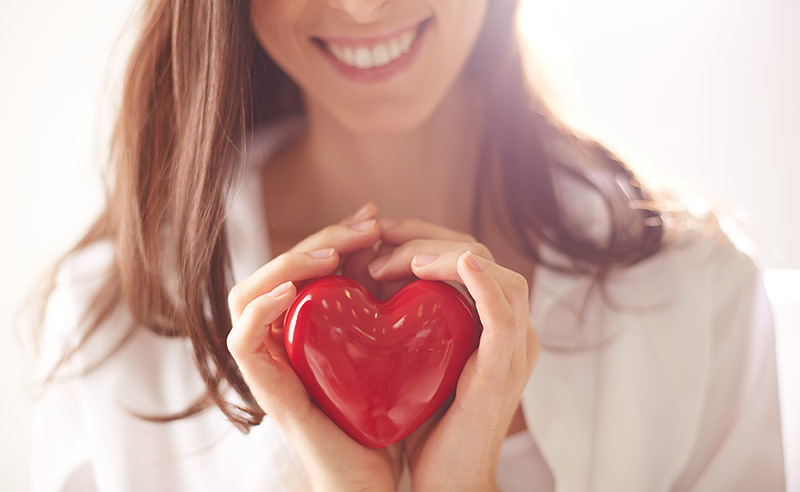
(701, 92)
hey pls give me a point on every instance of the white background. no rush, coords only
(703, 91)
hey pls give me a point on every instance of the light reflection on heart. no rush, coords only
(379, 369)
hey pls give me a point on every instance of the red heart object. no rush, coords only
(379, 369)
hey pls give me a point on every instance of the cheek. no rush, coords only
(463, 22)
(275, 24)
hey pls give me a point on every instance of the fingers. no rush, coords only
(258, 351)
(294, 266)
(367, 211)
(355, 232)
(399, 262)
(354, 266)
(255, 341)
(344, 238)
(501, 299)
(507, 343)
(252, 327)
(398, 231)
(495, 289)
(314, 256)
(501, 296)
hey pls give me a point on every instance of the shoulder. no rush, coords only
(711, 249)
(684, 336)
(81, 280)
(85, 268)
(90, 335)
(706, 260)
(77, 280)
(705, 266)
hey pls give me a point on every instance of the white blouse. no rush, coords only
(665, 381)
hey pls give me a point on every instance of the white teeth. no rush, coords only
(363, 58)
(348, 56)
(378, 55)
(394, 49)
(405, 41)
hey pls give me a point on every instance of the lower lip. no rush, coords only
(378, 74)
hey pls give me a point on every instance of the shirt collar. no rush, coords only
(246, 222)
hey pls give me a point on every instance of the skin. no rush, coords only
(356, 143)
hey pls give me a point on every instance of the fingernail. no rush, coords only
(472, 262)
(322, 253)
(363, 226)
(388, 223)
(376, 265)
(422, 260)
(281, 289)
(363, 212)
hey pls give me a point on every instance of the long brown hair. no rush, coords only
(198, 84)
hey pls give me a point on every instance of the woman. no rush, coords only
(249, 129)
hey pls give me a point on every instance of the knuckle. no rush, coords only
(508, 320)
(236, 301)
(328, 231)
(406, 250)
(283, 259)
(412, 223)
(481, 250)
(503, 322)
(517, 282)
(409, 248)
(233, 342)
(284, 262)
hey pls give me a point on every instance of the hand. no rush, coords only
(460, 450)
(333, 460)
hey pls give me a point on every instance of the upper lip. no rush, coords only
(368, 40)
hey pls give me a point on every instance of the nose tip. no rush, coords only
(361, 11)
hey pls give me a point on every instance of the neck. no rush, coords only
(427, 172)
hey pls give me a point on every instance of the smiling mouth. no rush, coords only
(369, 54)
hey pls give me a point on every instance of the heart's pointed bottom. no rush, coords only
(379, 369)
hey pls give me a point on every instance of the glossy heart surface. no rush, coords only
(379, 369)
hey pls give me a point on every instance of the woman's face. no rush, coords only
(377, 66)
